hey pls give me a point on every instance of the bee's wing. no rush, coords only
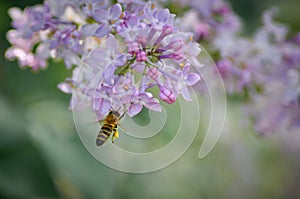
(99, 122)
(122, 128)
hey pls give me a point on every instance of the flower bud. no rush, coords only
(141, 56)
(167, 29)
(167, 95)
(153, 73)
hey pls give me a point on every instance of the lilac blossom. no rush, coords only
(146, 50)
(107, 19)
(251, 66)
(139, 100)
(118, 55)
(118, 51)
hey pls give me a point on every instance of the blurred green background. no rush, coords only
(41, 155)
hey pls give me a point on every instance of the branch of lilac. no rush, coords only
(120, 52)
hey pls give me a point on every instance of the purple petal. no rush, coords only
(139, 67)
(134, 109)
(277, 29)
(102, 31)
(65, 87)
(105, 107)
(111, 44)
(154, 107)
(115, 11)
(132, 21)
(100, 15)
(10, 53)
(96, 104)
(96, 57)
(72, 58)
(194, 49)
(186, 69)
(145, 97)
(46, 7)
(38, 19)
(99, 54)
(108, 74)
(89, 29)
(147, 12)
(15, 13)
(55, 41)
(185, 93)
(120, 61)
(93, 92)
(192, 78)
(163, 15)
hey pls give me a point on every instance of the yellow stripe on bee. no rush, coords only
(105, 131)
(101, 138)
(103, 134)
(110, 126)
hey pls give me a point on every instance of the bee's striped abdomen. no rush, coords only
(104, 133)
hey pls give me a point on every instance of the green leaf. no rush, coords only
(122, 70)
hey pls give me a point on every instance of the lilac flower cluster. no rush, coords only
(120, 51)
(125, 52)
(263, 68)
(39, 35)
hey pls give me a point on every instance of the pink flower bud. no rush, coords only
(202, 30)
(223, 67)
(167, 95)
(222, 10)
(141, 56)
(167, 29)
(153, 73)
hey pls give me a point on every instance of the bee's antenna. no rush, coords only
(119, 108)
(122, 115)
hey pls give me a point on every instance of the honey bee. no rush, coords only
(110, 126)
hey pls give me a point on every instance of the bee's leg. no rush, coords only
(115, 134)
